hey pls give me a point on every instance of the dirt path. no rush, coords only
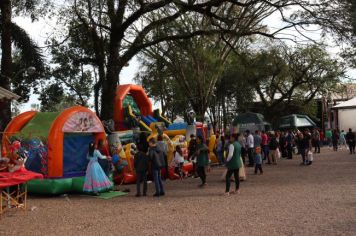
(288, 199)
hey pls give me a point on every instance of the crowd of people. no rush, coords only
(250, 149)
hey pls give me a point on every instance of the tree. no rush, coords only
(112, 32)
(69, 70)
(233, 93)
(54, 98)
(29, 53)
(162, 87)
(292, 78)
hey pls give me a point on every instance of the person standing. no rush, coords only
(95, 178)
(273, 146)
(289, 141)
(258, 161)
(350, 139)
(141, 167)
(220, 150)
(192, 149)
(302, 144)
(250, 151)
(162, 145)
(283, 145)
(264, 145)
(157, 162)
(202, 160)
(242, 142)
(233, 164)
(328, 136)
(335, 139)
(343, 139)
(316, 140)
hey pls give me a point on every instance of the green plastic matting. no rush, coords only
(111, 194)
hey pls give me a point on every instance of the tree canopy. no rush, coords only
(111, 32)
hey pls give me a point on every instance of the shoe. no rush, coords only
(261, 173)
(138, 195)
(226, 194)
(255, 173)
(144, 195)
(156, 195)
(162, 194)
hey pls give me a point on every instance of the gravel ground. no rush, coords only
(288, 199)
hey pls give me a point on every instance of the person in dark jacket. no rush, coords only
(272, 146)
(192, 149)
(156, 157)
(141, 167)
(303, 143)
(350, 139)
(335, 139)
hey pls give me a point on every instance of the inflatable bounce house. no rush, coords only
(56, 145)
(133, 110)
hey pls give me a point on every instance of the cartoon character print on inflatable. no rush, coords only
(37, 156)
(15, 159)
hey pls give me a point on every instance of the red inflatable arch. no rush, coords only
(140, 96)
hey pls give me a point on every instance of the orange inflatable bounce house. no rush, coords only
(57, 145)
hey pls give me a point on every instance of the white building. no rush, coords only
(345, 114)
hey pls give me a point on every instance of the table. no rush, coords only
(13, 189)
(15, 197)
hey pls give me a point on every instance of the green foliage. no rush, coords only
(70, 71)
(53, 98)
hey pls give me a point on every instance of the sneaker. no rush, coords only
(138, 195)
(162, 194)
(144, 195)
(226, 194)
(156, 195)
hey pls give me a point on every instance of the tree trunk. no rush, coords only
(112, 80)
(6, 60)
(224, 112)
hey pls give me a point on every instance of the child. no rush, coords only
(141, 167)
(178, 161)
(95, 178)
(258, 161)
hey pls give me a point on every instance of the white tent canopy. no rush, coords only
(347, 104)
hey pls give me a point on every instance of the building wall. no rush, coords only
(347, 119)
